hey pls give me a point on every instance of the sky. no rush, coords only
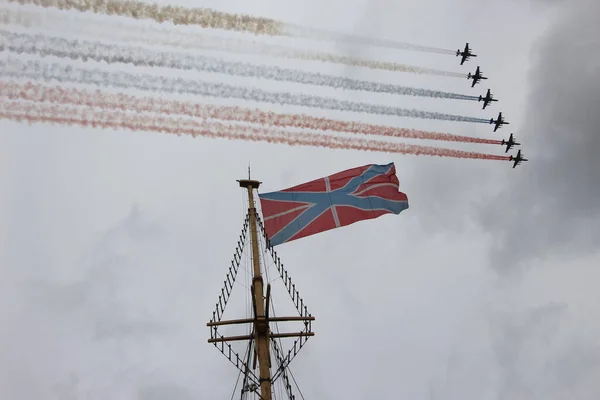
(113, 244)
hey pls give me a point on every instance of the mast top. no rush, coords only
(245, 183)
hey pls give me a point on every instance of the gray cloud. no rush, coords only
(551, 204)
(101, 289)
(160, 392)
(539, 356)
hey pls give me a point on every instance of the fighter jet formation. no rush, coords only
(465, 54)
(487, 99)
(510, 143)
(476, 76)
(498, 122)
(518, 159)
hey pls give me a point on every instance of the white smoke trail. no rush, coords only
(33, 69)
(209, 18)
(191, 40)
(337, 37)
(179, 126)
(84, 50)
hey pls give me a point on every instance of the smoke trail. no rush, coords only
(84, 50)
(116, 119)
(208, 18)
(320, 34)
(121, 101)
(204, 17)
(33, 69)
(191, 40)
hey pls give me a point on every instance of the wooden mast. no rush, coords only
(260, 303)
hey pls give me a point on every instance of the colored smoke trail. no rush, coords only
(84, 50)
(175, 125)
(121, 101)
(208, 18)
(33, 69)
(204, 17)
(192, 40)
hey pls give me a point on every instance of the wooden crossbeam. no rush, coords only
(248, 337)
(251, 320)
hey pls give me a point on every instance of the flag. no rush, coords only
(327, 203)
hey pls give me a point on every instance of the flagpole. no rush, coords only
(261, 320)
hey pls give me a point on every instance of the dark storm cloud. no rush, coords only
(552, 203)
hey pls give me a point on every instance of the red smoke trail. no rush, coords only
(120, 101)
(178, 126)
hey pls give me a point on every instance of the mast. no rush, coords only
(261, 333)
(261, 323)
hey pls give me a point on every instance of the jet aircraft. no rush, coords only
(465, 54)
(518, 159)
(487, 99)
(476, 76)
(510, 143)
(498, 122)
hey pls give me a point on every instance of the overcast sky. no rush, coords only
(113, 244)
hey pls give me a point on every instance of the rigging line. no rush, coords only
(281, 390)
(247, 365)
(244, 208)
(263, 240)
(279, 339)
(246, 258)
(284, 382)
(236, 384)
(267, 261)
(241, 284)
(264, 257)
(295, 383)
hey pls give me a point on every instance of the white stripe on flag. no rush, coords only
(336, 219)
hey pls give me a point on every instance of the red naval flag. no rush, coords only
(337, 200)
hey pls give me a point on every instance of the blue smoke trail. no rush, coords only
(33, 69)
